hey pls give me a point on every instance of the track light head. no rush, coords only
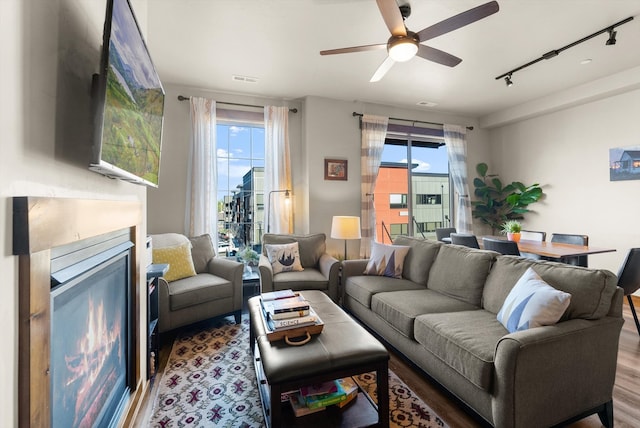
(507, 80)
(612, 37)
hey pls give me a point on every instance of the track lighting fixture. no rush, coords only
(507, 80)
(612, 37)
(555, 52)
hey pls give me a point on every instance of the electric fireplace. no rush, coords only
(80, 290)
(90, 330)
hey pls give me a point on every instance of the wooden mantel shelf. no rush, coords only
(40, 224)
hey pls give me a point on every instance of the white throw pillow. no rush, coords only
(532, 303)
(386, 260)
(284, 257)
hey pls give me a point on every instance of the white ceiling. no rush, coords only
(202, 43)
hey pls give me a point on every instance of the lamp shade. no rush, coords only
(345, 227)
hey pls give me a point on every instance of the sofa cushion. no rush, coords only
(201, 252)
(198, 289)
(311, 247)
(179, 260)
(361, 288)
(465, 341)
(386, 260)
(284, 257)
(400, 308)
(308, 279)
(532, 303)
(461, 272)
(591, 290)
(418, 261)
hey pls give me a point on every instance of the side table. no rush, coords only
(154, 272)
(250, 282)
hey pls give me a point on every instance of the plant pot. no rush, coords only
(515, 237)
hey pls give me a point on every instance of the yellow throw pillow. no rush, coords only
(179, 260)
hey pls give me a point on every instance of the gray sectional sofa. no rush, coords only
(442, 316)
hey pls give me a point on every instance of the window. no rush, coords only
(398, 229)
(240, 196)
(423, 199)
(397, 200)
(417, 192)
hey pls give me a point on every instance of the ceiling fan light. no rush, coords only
(402, 50)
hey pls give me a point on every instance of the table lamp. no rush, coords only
(345, 227)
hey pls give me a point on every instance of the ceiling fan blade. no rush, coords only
(354, 49)
(392, 17)
(436, 55)
(459, 20)
(382, 70)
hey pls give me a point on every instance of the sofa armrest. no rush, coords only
(164, 308)
(224, 268)
(569, 366)
(230, 270)
(330, 267)
(266, 274)
(353, 267)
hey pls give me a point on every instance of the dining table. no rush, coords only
(556, 250)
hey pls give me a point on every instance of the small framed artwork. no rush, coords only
(335, 169)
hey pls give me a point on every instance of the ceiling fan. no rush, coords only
(404, 44)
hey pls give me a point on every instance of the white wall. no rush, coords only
(567, 152)
(49, 51)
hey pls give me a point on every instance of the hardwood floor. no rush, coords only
(626, 391)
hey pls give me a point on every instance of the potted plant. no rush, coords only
(249, 256)
(497, 202)
(512, 229)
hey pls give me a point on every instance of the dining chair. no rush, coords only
(502, 246)
(466, 239)
(629, 279)
(444, 232)
(568, 238)
(533, 235)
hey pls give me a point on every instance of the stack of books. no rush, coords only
(286, 310)
(314, 398)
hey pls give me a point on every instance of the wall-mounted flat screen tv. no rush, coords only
(129, 102)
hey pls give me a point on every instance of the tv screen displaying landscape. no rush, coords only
(131, 131)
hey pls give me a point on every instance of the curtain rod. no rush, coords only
(182, 98)
(470, 128)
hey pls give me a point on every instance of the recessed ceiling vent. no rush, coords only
(426, 104)
(244, 79)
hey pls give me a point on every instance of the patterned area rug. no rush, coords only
(210, 381)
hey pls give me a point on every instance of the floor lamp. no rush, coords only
(286, 199)
(345, 227)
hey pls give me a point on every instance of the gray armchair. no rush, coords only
(320, 269)
(215, 290)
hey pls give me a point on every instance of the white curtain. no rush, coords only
(455, 138)
(277, 171)
(201, 212)
(374, 131)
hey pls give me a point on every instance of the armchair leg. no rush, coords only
(606, 414)
(238, 316)
(633, 311)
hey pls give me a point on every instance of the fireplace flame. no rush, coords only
(93, 350)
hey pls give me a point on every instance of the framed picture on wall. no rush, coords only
(335, 169)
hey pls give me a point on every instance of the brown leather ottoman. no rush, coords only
(344, 348)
